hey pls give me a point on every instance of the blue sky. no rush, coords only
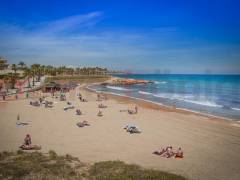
(141, 36)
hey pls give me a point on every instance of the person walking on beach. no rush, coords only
(136, 109)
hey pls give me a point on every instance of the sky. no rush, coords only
(146, 36)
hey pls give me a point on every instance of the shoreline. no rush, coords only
(159, 106)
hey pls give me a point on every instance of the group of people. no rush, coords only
(166, 152)
(42, 100)
(101, 97)
(27, 144)
(169, 152)
(81, 98)
(135, 111)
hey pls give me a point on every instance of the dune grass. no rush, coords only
(36, 165)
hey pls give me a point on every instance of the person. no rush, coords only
(160, 151)
(80, 98)
(98, 97)
(100, 113)
(169, 153)
(179, 153)
(136, 109)
(18, 117)
(78, 112)
(27, 95)
(27, 140)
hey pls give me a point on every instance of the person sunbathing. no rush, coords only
(102, 106)
(86, 123)
(100, 113)
(179, 153)
(136, 109)
(169, 152)
(27, 145)
(35, 103)
(160, 151)
(78, 112)
(83, 100)
(133, 111)
(47, 104)
(82, 124)
(27, 140)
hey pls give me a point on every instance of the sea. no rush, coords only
(217, 95)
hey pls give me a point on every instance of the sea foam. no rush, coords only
(118, 88)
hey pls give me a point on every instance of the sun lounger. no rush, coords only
(132, 128)
(82, 124)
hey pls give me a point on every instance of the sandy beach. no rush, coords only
(211, 146)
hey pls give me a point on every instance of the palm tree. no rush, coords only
(21, 64)
(3, 64)
(11, 79)
(36, 70)
(14, 68)
(27, 73)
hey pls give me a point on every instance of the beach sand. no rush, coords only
(211, 146)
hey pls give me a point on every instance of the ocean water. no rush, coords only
(218, 95)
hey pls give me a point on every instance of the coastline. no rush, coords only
(158, 106)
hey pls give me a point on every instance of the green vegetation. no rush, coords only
(36, 71)
(118, 170)
(79, 79)
(35, 165)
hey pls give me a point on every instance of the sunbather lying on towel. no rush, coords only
(169, 152)
(179, 153)
(102, 106)
(78, 112)
(34, 103)
(127, 126)
(160, 151)
(134, 130)
(69, 107)
(133, 111)
(82, 124)
(100, 113)
(27, 145)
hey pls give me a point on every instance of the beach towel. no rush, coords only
(31, 147)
